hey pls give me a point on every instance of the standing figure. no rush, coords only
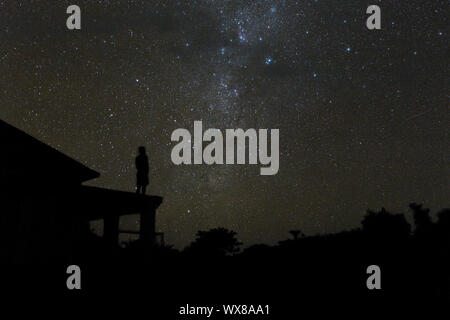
(142, 171)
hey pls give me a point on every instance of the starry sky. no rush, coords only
(363, 115)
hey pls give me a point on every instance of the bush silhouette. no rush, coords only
(385, 224)
(214, 243)
(422, 219)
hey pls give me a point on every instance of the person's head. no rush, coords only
(141, 150)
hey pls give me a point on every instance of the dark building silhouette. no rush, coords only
(45, 209)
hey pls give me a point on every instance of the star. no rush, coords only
(139, 70)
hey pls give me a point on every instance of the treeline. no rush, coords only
(414, 261)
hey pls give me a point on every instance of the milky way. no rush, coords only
(363, 115)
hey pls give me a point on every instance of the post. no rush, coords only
(147, 225)
(111, 229)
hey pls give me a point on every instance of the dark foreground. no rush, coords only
(325, 273)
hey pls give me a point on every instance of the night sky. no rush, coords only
(363, 115)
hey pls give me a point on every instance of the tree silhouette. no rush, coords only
(422, 219)
(296, 234)
(444, 218)
(443, 227)
(215, 242)
(385, 224)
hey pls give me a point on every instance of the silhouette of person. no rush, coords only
(142, 171)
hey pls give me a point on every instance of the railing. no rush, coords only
(159, 235)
